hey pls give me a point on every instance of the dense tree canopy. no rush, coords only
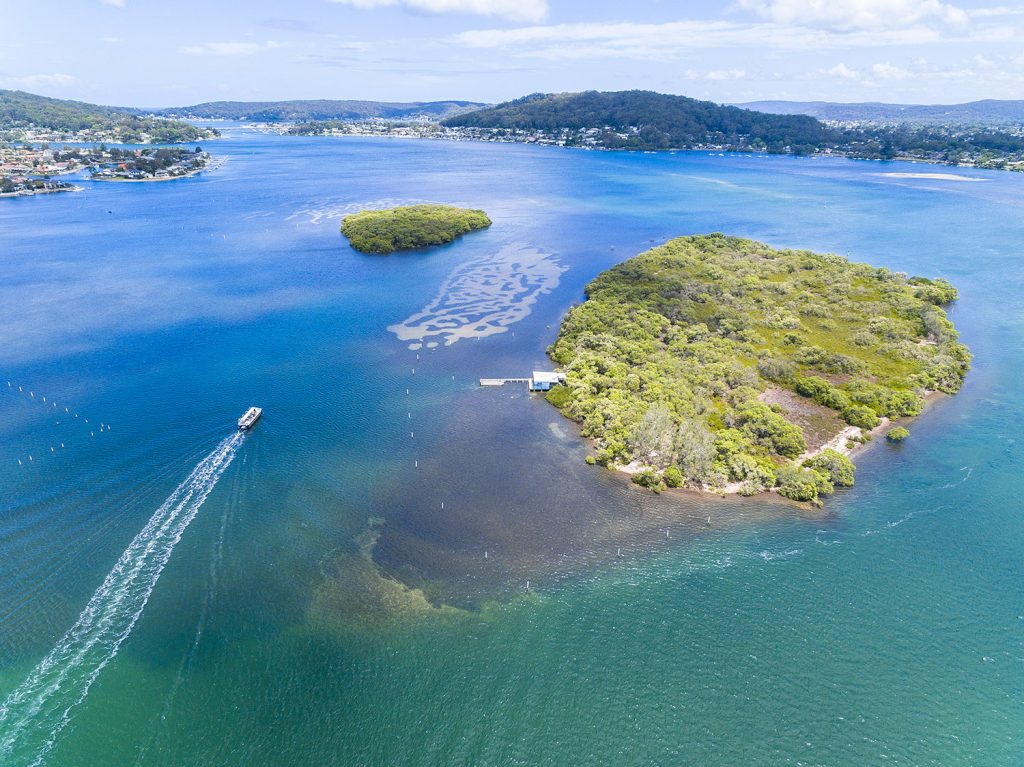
(669, 359)
(413, 226)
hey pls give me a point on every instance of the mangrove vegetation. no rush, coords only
(412, 226)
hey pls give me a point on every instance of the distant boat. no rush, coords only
(247, 421)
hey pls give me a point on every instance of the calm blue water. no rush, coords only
(348, 583)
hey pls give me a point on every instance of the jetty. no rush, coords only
(541, 380)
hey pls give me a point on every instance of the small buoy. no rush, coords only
(709, 519)
(666, 532)
(93, 434)
(66, 410)
(20, 389)
(406, 391)
(527, 585)
(618, 552)
(485, 555)
(417, 464)
(53, 449)
(44, 399)
(411, 434)
(20, 463)
(414, 371)
(62, 444)
(87, 420)
(442, 504)
(30, 458)
(32, 394)
(417, 356)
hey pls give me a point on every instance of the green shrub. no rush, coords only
(650, 479)
(897, 434)
(673, 476)
(799, 484)
(837, 467)
(860, 415)
(559, 396)
(822, 392)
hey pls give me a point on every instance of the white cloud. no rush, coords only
(843, 71)
(677, 39)
(885, 71)
(515, 10)
(115, 3)
(715, 75)
(856, 14)
(726, 74)
(58, 80)
(232, 48)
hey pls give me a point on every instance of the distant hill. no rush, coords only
(987, 112)
(20, 111)
(321, 109)
(648, 120)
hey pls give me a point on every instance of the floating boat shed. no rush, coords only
(541, 380)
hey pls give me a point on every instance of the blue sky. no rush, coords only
(160, 53)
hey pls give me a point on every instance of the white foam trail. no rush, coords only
(38, 709)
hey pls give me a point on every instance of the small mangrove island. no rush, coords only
(722, 364)
(411, 226)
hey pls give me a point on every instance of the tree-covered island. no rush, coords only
(411, 226)
(722, 364)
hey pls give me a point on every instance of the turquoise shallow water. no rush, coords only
(323, 607)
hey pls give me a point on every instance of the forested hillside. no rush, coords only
(320, 109)
(648, 120)
(20, 111)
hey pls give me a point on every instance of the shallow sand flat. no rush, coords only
(932, 176)
(483, 297)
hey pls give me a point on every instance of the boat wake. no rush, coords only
(37, 710)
